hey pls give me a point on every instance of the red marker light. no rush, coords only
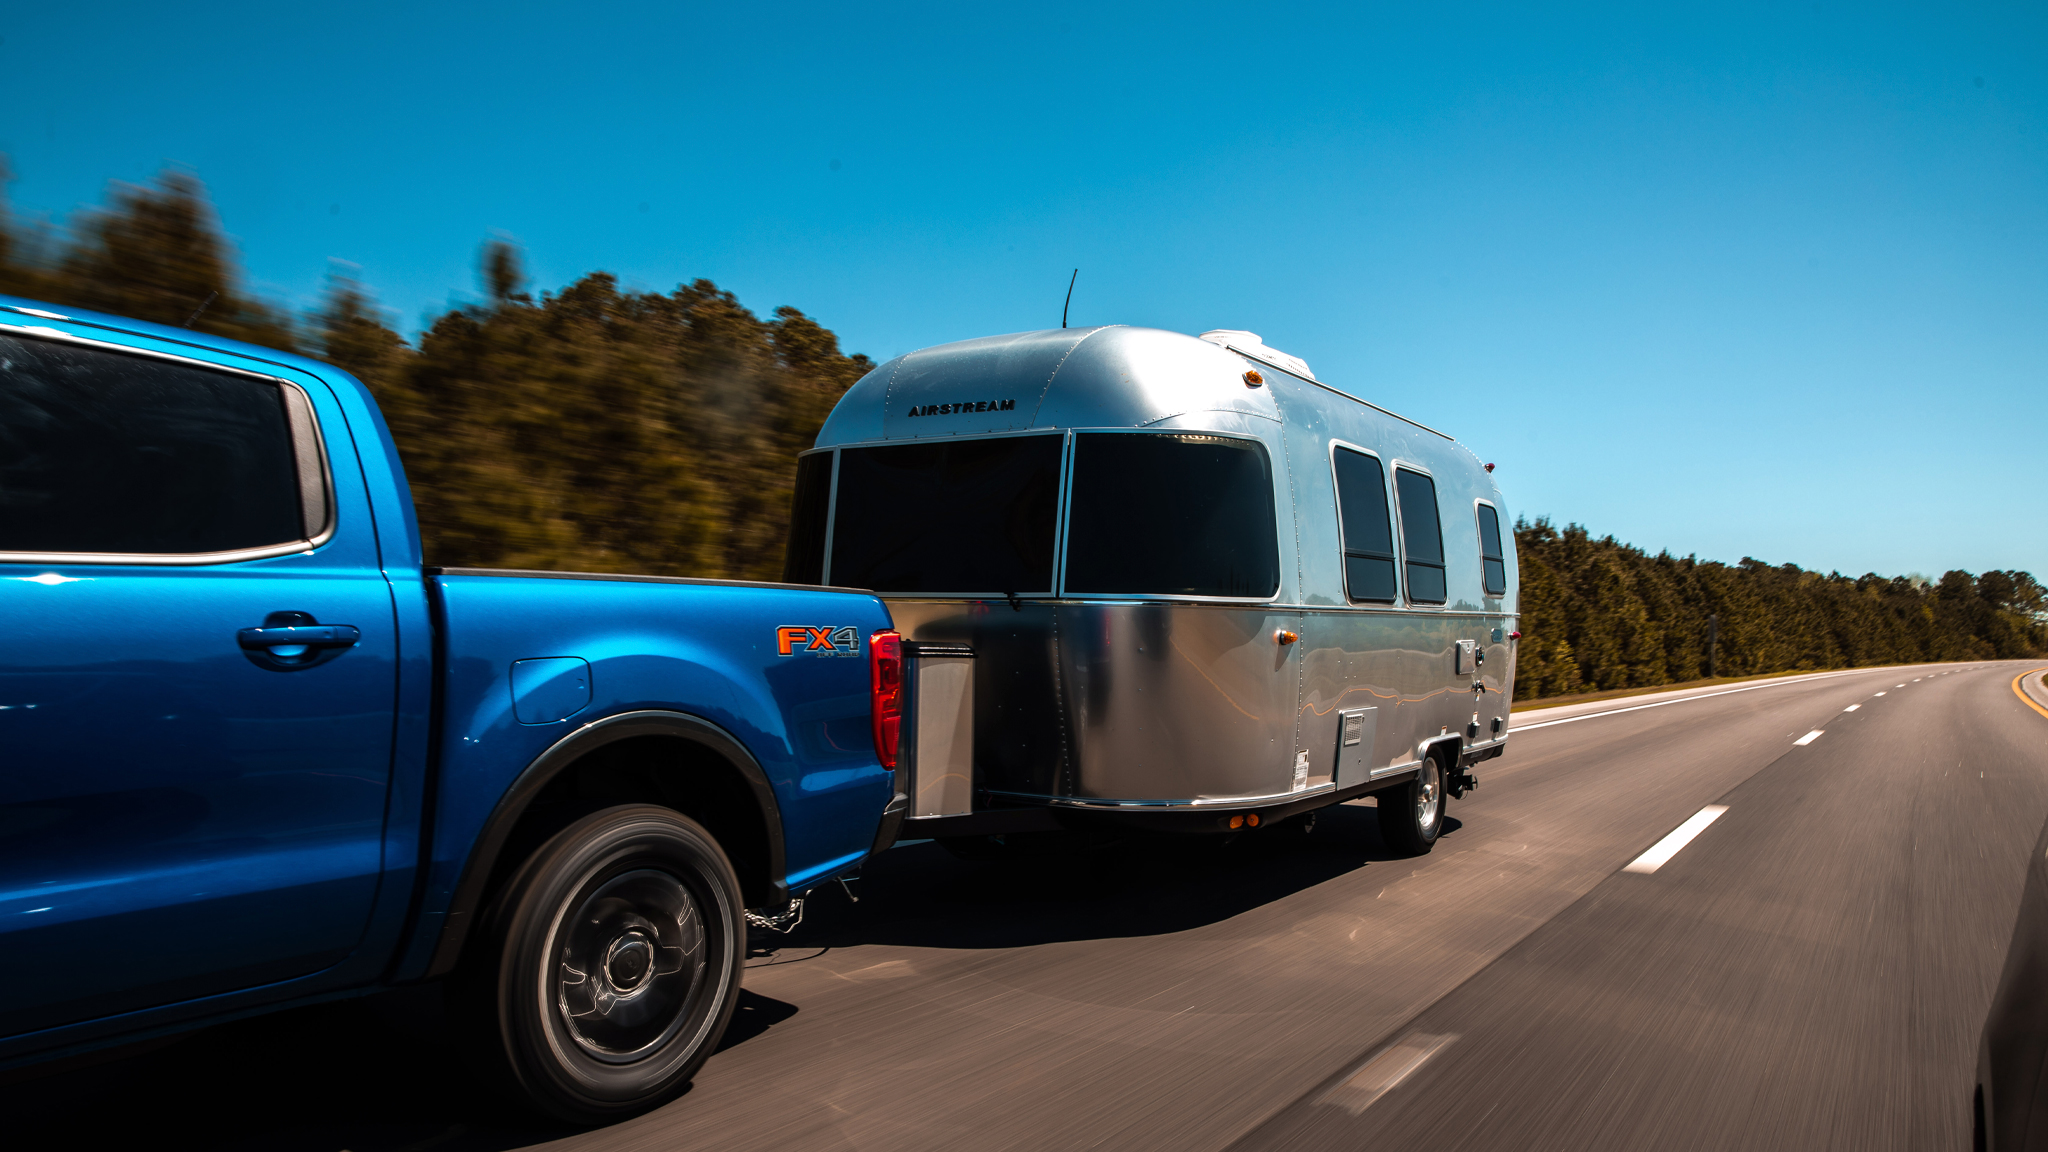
(1514, 635)
(885, 693)
(1489, 467)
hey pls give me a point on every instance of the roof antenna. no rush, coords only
(1070, 296)
(211, 296)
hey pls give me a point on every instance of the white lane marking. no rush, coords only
(1685, 700)
(1898, 685)
(1384, 1071)
(1663, 850)
(1852, 707)
(1810, 737)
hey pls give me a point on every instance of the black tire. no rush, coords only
(1412, 816)
(611, 964)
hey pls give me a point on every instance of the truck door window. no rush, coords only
(960, 517)
(1368, 530)
(1168, 514)
(1491, 560)
(101, 452)
(1422, 537)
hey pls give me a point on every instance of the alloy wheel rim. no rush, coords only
(632, 964)
(1429, 795)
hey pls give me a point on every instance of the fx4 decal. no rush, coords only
(798, 639)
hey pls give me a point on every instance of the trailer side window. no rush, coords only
(804, 562)
(1491, 560)
(1368, 531)
(101, 452)
(1171, 514)
(961, 517)
(1422, 537)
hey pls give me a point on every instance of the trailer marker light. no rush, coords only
(1236, 822)
(1252, 379)
(885, 693)
(1252, 819)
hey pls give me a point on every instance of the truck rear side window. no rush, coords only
(965, 517)
(1491, 560)
(1171, 515)
(1368, 530)
(101, 452)
(1422, 537)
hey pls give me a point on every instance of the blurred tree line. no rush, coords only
(1600, 614)
(590, 429)
(595, 429)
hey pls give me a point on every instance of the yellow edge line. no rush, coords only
(2029, 700)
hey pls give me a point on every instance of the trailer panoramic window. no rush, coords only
(1171, 514)
(954, 517)
(101, 452)
(1491, 559)
(804, 561)
(1368, 530)
(1422, 536)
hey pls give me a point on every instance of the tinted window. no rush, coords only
(804, 562)
(101, 452)
(1422, 537)
(1171, 514)
(1491, 559)
(963, 516)
(1368, 532)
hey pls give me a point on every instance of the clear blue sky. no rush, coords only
(1765, 281)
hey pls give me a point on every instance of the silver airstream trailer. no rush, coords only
(1148, 578)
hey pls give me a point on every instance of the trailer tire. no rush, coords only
(1412, 815)
(612, 964)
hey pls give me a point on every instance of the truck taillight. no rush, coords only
(885, 693)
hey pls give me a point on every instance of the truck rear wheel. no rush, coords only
(613, 964)
(1412, 816)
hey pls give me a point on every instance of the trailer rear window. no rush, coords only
(105, 453)
(1491, 560)
(1169, 514)
(957, 517)
(1422, 536)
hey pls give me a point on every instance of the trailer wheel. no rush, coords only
(1412, 816)
(612, 964)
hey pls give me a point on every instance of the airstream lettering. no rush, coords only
(1164, 580)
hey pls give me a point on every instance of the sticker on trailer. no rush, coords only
(804, 640)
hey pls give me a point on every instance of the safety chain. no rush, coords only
(784, 921)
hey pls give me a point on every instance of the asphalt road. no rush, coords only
(1809, 971)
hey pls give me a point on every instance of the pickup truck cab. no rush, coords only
(253, 755)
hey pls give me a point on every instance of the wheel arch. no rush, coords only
(654, 756)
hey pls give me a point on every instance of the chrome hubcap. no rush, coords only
(633, 959)
(1429, 795)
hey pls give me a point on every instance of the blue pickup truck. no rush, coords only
(253, 755)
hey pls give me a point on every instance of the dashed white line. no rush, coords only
(1880, 693)
(1663, 850)
(1852, 707)
(1810, 737)
(1385, 1071)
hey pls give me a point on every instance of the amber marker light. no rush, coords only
(1252, 379)
(1252, 820)
(1283, 637)
(1236, 822)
